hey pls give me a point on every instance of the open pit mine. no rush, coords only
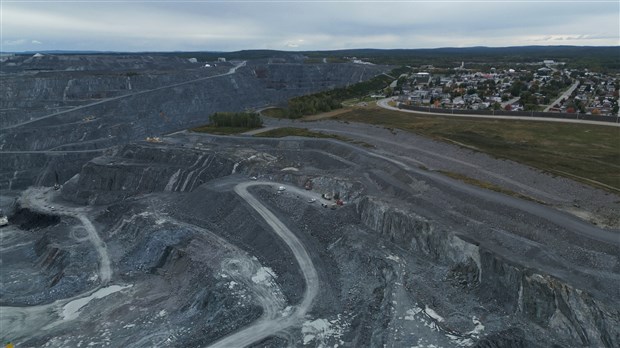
(197, 240)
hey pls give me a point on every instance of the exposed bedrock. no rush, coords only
(44, 259)
(139, 169)
(405, 262)
(548, 301)
(27, 219)
(37, 94)
(225, 215)
(20, 170)
(512, 338)
(97, 63)
(201, 283)
(177, 107)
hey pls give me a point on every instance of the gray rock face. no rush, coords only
(158, 249)
(115, 100)
(45, 253)
(393, 269)
(541, 299)
(398, 226)
(140, 169)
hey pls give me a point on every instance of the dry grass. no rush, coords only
(303, 132)
(489, 186)
(221, 130)
(583, 152)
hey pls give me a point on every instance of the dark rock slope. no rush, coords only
(407, 261)
(53, 105)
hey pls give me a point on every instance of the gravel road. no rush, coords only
(266, 327)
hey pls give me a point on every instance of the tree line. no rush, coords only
(331, 100)
(236, 119)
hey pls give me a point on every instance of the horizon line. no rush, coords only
(299, 51)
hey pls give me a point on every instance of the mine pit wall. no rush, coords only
(21, 170)
(569, 313)
(181, 259)
(347, 190)
(46, 264)
(154, 113)
(170, 109)
(138, 169)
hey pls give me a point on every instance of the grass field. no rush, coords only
(281, 113)
(356, 101)
(586, 153)
(274, 112)
(488, 186)
(303, 132)
(220, 130)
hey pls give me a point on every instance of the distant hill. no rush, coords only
(591, 57)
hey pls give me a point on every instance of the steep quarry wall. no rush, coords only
(137, 169)
(570, 313)
(160, 110)
(404, 253)
(20, 170)
(44, 263)
(132, 101)
(95, 62)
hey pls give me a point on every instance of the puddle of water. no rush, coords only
(71, 310)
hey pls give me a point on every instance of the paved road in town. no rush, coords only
(384, 104)
(564, 95)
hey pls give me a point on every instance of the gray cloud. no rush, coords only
(305, 25)
(17, 42)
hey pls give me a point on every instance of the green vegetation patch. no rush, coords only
(224, 123)
(236, 119)
(275, 113)
(220, 130)
(330, 100)
(586, 153)
(304, 132)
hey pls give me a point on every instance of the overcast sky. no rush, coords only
(303, 25)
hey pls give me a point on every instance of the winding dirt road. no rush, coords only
(40, 201)
(20, 322)
(266, 326)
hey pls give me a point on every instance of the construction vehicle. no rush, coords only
(153, 139)
(308, 185)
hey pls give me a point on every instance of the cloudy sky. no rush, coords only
(226, 25)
